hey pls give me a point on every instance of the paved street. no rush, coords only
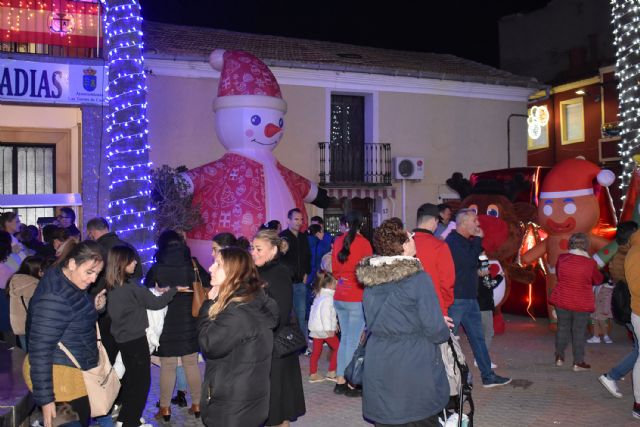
(540, 395)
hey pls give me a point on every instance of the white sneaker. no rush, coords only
(610, 385)
(607, 339)
(493, 365)
(594, 340)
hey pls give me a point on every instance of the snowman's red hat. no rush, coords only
(573, 178)
(245, 81)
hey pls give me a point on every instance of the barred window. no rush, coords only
(28, 169)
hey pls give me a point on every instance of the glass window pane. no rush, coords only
(7, 170)
(34, 175)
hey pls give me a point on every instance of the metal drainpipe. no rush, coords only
(509, 136)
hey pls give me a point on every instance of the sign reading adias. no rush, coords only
(51, 83)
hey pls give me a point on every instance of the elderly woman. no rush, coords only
(404, 379)
(573, 299)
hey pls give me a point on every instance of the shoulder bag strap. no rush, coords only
(24, 304)
(69, 355)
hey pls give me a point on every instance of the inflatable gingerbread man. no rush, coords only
(247, 186)
(568, 205)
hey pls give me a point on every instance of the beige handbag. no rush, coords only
(101, 382)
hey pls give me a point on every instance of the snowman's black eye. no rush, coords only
(255, 120)
(281, 122)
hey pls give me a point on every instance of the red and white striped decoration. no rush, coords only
(30, 21)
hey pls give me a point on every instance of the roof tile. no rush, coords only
(196, 43)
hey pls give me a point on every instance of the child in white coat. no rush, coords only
(323, 325)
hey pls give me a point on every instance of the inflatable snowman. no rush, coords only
(247, 186)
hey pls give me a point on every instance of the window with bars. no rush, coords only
(28, 169)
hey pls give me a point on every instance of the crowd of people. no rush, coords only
(403, 292)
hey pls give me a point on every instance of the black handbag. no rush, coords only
(354, 371)
(288, 340)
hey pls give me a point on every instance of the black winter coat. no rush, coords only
(298, 257)
(237, 345)
(287, 395)
(173, 268)
(59, 312)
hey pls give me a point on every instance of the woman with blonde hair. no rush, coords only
(236, 338)
(287, 395)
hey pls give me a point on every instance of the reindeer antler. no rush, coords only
(459, 184)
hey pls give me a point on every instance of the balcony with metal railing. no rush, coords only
(344, 165)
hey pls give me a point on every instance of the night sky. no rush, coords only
(468, 29)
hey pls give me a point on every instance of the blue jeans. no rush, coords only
(105, 421)
(626, 365)
(300, 306)
(351, 318)
(467, 313)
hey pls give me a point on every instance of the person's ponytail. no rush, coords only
(354, 220)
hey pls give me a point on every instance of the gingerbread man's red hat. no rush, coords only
(573, 178)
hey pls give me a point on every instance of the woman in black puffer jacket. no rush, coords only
(174, 267)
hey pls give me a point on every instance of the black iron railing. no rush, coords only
(342, 165)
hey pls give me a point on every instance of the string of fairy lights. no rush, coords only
(626, 21)
(130, 209)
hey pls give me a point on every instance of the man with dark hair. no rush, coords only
(465, 244)
(67, 220)
(434, 255)
(444, 217)
(98, 230)
(317, 220)
(298, 259)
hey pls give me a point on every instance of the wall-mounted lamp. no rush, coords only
(582, 92)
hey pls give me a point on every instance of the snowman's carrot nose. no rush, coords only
(271, 130)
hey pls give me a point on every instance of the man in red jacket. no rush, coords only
(434, 254)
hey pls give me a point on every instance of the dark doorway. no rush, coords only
(347, 138)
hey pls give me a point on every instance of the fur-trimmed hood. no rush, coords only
(377, 270)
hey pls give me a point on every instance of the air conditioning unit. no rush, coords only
(408, 168)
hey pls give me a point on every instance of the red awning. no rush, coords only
(362, 193)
